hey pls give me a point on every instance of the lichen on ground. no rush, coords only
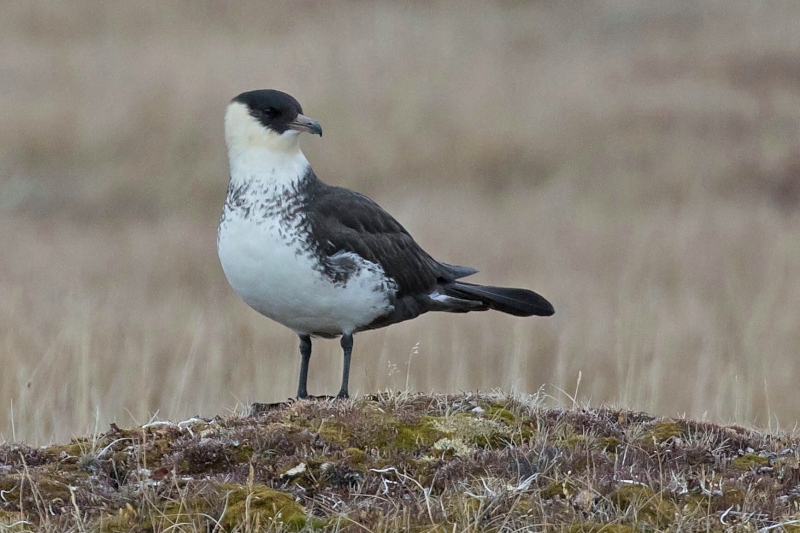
(402, 462)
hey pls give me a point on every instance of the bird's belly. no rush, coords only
(272, 277)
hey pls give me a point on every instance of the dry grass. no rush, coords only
(637, 163)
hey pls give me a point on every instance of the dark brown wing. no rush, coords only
(343, 220)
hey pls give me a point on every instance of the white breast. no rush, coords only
(269, 263)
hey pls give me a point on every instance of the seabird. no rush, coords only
(326, 261)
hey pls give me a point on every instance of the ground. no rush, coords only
(408, 462)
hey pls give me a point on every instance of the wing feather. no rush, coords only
(344, 220)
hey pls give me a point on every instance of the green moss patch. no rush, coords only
(499, 412)
(261, 506)
(421, 434)
(748, 461)
(663, 430)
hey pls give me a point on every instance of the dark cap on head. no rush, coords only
(277, 111)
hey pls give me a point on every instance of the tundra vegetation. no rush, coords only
(408, 462)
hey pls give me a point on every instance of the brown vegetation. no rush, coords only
(399, 462)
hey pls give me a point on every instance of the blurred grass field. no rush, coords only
(638, 163)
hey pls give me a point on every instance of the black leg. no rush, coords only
(305, 354)
(347, 347)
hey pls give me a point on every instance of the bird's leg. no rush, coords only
(347, 348)
(305, 354)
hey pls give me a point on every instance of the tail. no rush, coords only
(517, 302)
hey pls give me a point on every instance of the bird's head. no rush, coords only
(266, 119)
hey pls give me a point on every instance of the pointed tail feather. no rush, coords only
(517, 302)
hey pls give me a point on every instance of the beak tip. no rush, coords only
(306, 124)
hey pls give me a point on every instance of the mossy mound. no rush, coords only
(399, 462)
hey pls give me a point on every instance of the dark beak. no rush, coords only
(303, 123)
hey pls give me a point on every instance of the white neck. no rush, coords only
(258, 154)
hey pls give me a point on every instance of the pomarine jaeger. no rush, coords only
(323, 260)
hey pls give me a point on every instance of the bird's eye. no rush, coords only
(271, 112)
